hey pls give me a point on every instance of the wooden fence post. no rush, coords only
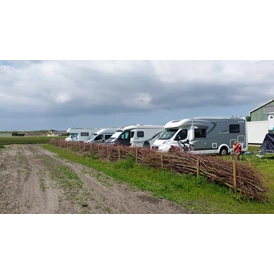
(119, 153)
(250, 162)
(234, 174)
(162, 160)
(198, 168)
(136, 155)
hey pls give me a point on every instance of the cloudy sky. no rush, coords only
(61, 94)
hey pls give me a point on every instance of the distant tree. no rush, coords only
(248, 118)
(14, 133)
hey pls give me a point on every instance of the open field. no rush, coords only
(26, 140)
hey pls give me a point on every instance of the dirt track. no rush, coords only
(34, 180)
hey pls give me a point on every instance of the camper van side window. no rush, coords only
(107, 136)
(125, 135)
(131, 134)
(140, 134)
(234, 128)
(84, 134)
(99, 137)
(181, 135)
(200, 133)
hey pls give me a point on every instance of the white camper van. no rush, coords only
(136, 135)
(80, 134)
(207, 135)
(101, 135)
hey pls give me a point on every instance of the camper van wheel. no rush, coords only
(146, 145)
(223, 151)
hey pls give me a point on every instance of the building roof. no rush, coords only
(261, 106)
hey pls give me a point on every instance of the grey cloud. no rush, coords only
(69, 88)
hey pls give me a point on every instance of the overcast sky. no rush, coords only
(62, 94)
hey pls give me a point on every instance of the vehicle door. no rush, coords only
(124, 138)
(99, 138)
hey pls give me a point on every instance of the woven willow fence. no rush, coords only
(234, 175)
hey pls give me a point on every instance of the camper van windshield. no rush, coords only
(92, 136)
(74, 135)
(116, 135)
(168, 133)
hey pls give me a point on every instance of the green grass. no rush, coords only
(25, 140)
(1, 146)
(197, 195)
(66, 177)
(67, 180)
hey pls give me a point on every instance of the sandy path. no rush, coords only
(34, 180)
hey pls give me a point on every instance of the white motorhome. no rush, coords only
(136, 135)
(207, 135)
(80, 134)
(101, 135)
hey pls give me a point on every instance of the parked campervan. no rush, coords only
(80, 134)
(136, 135)
(101, 135)
(207, 135)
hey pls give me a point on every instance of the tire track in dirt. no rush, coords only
(34, 180)
(36, 195)
(20, 185)
(110, 196)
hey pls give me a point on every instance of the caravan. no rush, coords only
(136, 135)
(80, 134)
(101, 135)
(206, 135)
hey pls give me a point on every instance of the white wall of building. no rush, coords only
(256, 131)
(271, 121)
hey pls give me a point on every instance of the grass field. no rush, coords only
(26, 140)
